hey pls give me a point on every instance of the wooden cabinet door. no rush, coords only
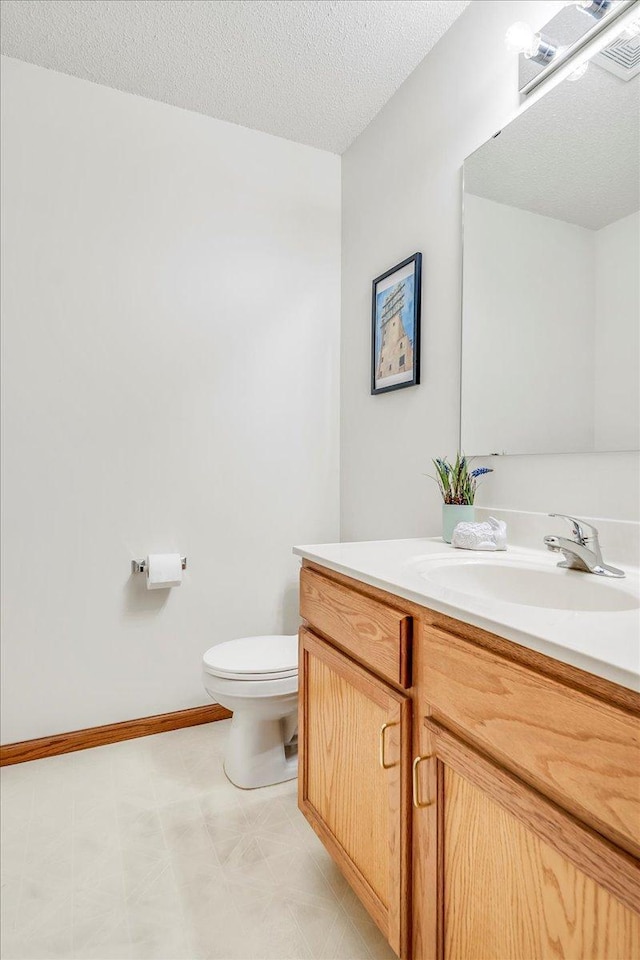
(512, 874)
(354, 742)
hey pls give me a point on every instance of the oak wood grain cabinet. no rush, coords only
(573, 747)
(482, 799)
(377, 634)
(516, 876)
(354, 741)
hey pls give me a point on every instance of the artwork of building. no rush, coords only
(396, 349)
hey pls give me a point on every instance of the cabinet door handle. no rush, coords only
(383, 763)
(417, 802)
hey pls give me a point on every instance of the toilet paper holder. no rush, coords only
(140, 566)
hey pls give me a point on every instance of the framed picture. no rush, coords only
(395, 327)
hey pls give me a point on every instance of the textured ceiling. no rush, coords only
(574, 155)
(314, 71)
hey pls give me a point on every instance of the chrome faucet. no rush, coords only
(583, 552)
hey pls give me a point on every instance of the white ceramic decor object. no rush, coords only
(488, 535)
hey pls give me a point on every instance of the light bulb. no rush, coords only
(520, 38)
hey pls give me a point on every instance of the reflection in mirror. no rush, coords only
(551, 291)
(574, 23)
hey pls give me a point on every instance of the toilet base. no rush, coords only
(257, 754)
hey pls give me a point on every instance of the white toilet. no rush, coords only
(257, 678)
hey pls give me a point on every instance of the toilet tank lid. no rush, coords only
(254, 655)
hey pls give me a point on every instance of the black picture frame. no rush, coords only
(391, 370)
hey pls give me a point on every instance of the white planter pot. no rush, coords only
(452, 515)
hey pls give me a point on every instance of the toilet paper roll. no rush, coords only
(163, 570)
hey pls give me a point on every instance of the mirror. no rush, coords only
(575, 24)
(551, 278)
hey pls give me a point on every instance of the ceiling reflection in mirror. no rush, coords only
(577, 22)
(551, 280)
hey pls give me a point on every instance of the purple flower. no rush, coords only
(480, 471)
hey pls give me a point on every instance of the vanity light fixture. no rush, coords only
(521, 38)
(541, 55)
(595, 8)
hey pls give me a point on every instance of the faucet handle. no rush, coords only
(577, 525)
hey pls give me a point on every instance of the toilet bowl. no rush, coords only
(257, 678)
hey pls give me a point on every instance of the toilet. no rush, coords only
(257, 678)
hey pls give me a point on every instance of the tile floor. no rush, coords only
(144, 849)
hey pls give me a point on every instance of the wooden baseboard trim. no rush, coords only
(110, 733)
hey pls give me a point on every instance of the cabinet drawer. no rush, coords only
(370, 631)
(581, 752)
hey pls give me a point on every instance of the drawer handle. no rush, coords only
(417, 802)
(383, 763)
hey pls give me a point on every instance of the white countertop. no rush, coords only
(603, 643)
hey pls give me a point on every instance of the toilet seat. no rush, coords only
(259, 659)
(220, 688)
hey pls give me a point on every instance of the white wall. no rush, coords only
(171, 354)
(617, 341)
(401, 182)
(515, 375)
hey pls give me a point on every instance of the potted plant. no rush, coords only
(458, 485)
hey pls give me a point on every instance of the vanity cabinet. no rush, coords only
(511, 830)
(354, 742)
(515, 875)
(570, 745)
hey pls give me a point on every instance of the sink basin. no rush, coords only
(530, 585)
